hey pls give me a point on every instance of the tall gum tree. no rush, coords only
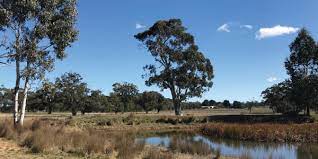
(179, 65)
(38, 32)
(302, 66)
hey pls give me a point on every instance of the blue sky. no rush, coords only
(246, 41)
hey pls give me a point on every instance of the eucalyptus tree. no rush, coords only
(39, 31)
(302, 66)
(6, 96)
(48, 95)
(126, 91)
(72, 90)
(279, 98)
(226, 103)
(179, 65)
(151, 100)
(205, 103)
(237, 104)
(116, 103)
(97, 102)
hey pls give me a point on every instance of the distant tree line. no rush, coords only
(70, 93)
(300, 91)
(235, 104)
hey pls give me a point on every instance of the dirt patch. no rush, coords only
(9, 149)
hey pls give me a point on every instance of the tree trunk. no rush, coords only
(308, 110)
(18, 76)
(74, 111)
(25, 97)
(176, 102)
(177, 107)
(16, 92)
(16, 105)
(49, 110)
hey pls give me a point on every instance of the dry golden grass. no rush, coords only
(43, 138)
(59, 136)
(195, 112)
(264, 132)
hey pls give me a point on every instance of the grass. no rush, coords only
(315, 115)
(157, 153)
(40, 137)
(264, 132)
(126, 145)
(47, 137)
(105, 135)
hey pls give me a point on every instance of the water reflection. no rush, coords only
(234, 148)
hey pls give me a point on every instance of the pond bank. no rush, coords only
(111, 137)
(302, 133)
(56, 138)
(234, 148)
(254, 131)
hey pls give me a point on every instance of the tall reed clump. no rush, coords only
(48, 138)
(42, 137)
(126, 145)
(189, 146)
(155, 153)
(264, 132)
(7, 130)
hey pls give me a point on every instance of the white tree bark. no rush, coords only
(16, 107)
(25, 97)
(18, 77)
(16, 95)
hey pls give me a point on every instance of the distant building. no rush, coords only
(208, 107)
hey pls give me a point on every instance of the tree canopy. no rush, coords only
(301, 90)
(73, 90)
(126, 91)
(151, 100)
(180, 66)
(302, 66)
(41, 30)
(226, 103)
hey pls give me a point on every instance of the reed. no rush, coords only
(264, 132)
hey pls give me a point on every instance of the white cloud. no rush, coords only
(140, 26)
(247, 26)
(224, 28)
(277, 30)
(272, 79)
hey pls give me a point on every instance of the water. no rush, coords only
(255, 150)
